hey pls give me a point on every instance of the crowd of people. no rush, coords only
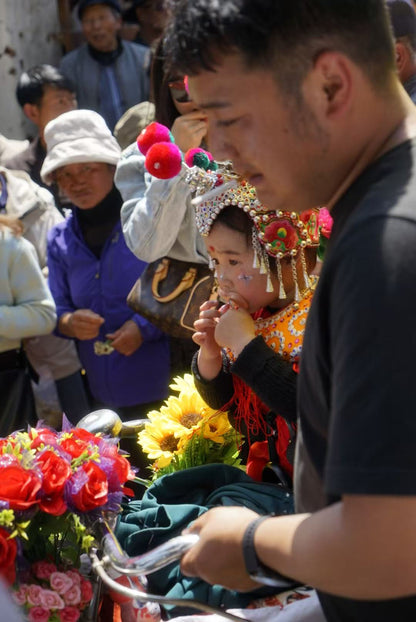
(304, 105)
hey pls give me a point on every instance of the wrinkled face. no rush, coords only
(85, 184)
(53, 103)
(100, 26)
(237, 279)
(274, 143)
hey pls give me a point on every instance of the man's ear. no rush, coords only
(402, 56)
(32, 112)
(333, 76)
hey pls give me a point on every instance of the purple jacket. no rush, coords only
(78, 280)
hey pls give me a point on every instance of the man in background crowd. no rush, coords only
(43, 94)
(151, 15)
(403, 20)
(110, 74)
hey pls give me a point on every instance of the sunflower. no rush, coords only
(216, 427)
(186, 432)
(160, 439)
(183, 385)
(188, 409)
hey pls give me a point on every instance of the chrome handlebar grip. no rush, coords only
(149, 562)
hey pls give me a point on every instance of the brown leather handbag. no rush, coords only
(170, 292)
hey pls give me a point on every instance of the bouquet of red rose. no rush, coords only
(53, 486)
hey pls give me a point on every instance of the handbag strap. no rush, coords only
(161, 273)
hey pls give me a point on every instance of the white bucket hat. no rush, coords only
(75, 137)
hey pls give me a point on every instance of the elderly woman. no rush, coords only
(91, 271)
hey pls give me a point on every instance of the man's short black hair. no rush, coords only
(285, 35)
(31, 85)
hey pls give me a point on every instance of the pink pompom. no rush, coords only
(191, 153)
(152, 134)
(164, 160)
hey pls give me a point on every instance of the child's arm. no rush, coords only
(270, 377)
(209, 356)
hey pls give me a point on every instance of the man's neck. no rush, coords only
(399, 128)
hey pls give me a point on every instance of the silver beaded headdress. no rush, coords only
(274, 234)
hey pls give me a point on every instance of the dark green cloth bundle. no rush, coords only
(174, 501)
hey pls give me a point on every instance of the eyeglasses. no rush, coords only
(179, 92)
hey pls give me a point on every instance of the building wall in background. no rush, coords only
(27, 37)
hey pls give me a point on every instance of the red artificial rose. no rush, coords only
(53, 504)
(42, 436)
(19, 487)
(8, 550)
(94, 492)
(55, 470)
(121, 467)
(84, 435)
(74, 447)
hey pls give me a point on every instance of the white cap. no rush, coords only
(75, 137)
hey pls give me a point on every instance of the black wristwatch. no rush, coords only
(256, 569)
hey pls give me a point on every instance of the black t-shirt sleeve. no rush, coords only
(372, 432)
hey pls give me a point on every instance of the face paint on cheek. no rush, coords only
(246, 278)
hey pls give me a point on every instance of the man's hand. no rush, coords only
(127, 339)
(82, 324)
(218, 556)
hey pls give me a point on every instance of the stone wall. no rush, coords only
(27, 37)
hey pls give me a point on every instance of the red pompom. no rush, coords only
(152, 134)
(164, 160)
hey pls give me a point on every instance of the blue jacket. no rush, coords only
(78, 280)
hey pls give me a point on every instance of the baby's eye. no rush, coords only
(233, 262)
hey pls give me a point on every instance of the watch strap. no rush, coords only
(255, 568)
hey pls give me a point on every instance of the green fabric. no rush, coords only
(175, 500)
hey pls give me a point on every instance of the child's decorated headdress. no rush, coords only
(276, 234)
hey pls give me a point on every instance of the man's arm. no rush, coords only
(363, 547)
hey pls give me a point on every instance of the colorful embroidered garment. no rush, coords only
(283, 333)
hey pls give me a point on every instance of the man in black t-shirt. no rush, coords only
(304, 98)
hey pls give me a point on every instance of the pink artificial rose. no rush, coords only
(75, 576)
(38, 614)
(51, 599)
(73, 595)
(61, 582)
(325, 222)
(20, 595)
(43, 570)
(86, 590)
(69, 614)
(34, 594)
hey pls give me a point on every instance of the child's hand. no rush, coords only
(209, 355)
(205, 329)
(189, 129)
(235, 329)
